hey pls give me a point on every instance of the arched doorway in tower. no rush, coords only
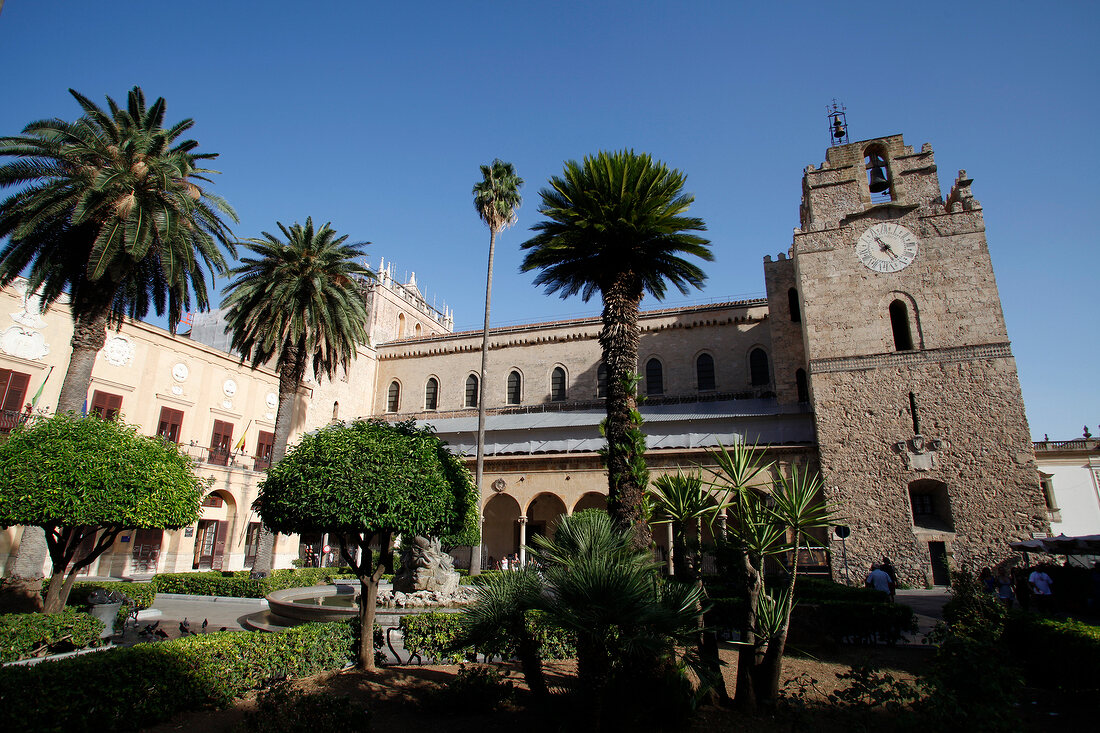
(543, 514)
(214, 531)
(500, 531)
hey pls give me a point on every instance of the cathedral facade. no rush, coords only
(878, 357)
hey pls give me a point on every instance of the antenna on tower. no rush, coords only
(838, 123)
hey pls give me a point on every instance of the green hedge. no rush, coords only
(856, 621)
(239, 585)
(1055, 654)
(135, 687)
(439, 636)
(26, 635)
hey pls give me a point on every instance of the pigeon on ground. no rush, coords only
(205, 622)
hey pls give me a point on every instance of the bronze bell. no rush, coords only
(838, 128)
(878, 182)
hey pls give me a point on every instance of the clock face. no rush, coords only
(886, 247)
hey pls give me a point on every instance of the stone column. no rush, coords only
(522, 541)
(722, 524)
(477, 551)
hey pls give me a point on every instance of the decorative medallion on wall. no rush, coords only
(227, 404)
(269, 416)
(272, 400)
(229, 387)
(118, 351)
(25, 344)
(177, 390)
(180, 372)
(499, 485)
(31, 315)
(920, 454)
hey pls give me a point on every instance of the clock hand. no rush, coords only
(885, 247)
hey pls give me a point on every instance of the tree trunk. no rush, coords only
(531, 662)
(475, 551)
(680, 568)
(626, 474)
(22, 592)
(370, 576)
(771, 669)
(291, 373)
(89, 336)
(745, 692)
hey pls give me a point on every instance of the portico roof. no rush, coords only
(687, 425)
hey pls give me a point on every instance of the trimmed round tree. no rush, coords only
(367, 482)
(85, 480)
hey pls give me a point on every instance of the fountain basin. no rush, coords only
(317, 604)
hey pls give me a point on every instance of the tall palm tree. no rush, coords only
(496, 198)
(111, 210)
(617, 225)
(296, 301)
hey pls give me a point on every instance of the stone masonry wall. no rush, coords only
(788, 346)
(987, 461)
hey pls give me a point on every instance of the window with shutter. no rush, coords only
(105, 405)
(265, 443)
(221, 441)
(168, 427)
(13, 393)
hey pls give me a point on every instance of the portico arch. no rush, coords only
(216, 529)
(501, 528)
(543, 514)
(591, 500)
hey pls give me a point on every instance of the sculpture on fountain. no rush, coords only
(425, 567)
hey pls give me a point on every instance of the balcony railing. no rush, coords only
(227, 458)
(9, 419)
(1059, 445)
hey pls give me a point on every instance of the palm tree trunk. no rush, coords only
(625, 457)
(475, 551)
(89, 336)
(23, 590)
(291, 374)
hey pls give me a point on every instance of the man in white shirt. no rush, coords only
(879, 580)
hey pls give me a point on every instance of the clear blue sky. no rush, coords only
(375, 116)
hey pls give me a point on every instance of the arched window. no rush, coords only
(393, 397)
(471, 391)
(431, 394)
(704, 372)
(792, 304)
(557, 385)
(400, 325)
(899, 322)
(759, 374)
(515, 388)
(335, 411)
(601, 380)
(654, 377)
(803, 387)
(418, 330)
(878, 174)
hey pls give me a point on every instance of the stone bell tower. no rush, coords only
(923, 440)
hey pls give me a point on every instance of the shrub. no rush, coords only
(1055, 654)
(847, 615)
(475, 689)
(284, 709)
(437, 636)
(136, 597)
(134, 687)
(26, 635)
(974, 684)
(239, 585)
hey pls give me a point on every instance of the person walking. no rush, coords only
(878, 579)
(1003, 585)
(889, 569)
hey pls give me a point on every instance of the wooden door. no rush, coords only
(222, 529)
(168, 427)
(264, 445)
(13, 390)
(205, 537)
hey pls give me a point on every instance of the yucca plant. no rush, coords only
(763, 521)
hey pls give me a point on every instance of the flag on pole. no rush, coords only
(38, 394)
(240, 443)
